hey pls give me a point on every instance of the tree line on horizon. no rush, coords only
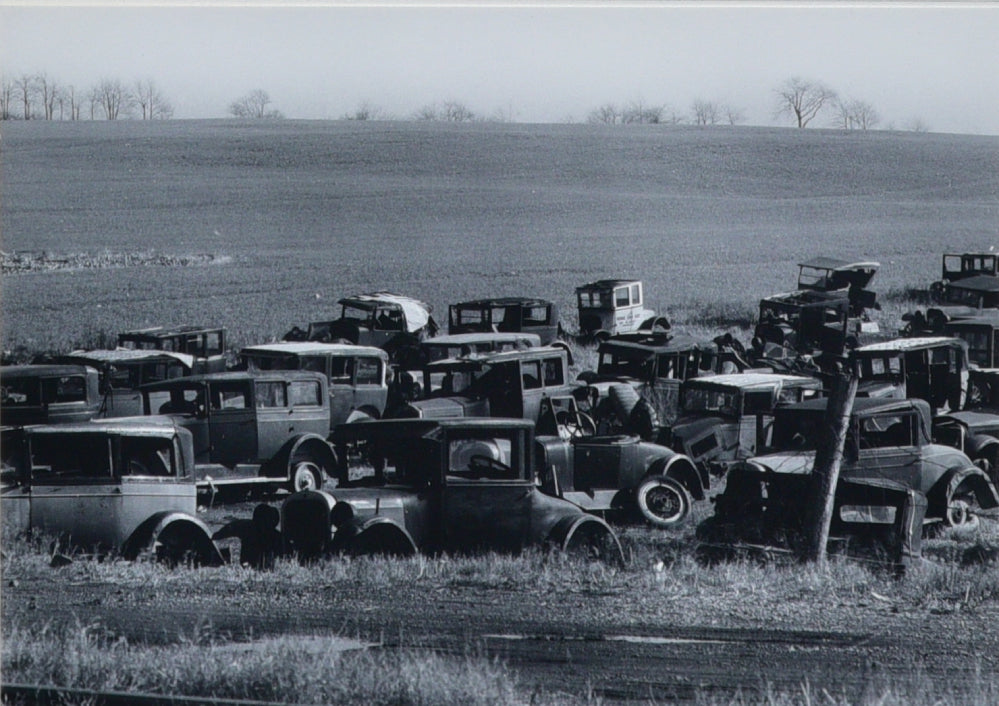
(38, 96)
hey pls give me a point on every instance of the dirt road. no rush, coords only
(573, 640)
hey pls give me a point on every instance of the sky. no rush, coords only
(932, 63)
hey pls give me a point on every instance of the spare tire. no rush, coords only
(643, 420)
(623, 397)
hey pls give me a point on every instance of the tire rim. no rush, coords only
(664, 502)
(304, 478)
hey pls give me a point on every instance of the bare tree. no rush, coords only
(151, 101)
(802, 99)
(69, 93)
(449, 111)
(94, 99)
(48, 91)
(706, 113)
(254, 105)
(113, 97)
(733, 115)
(25, 87)
(917, 125)
(7, 89)
(606, 114)
(365, 111)
(856, 115)
(638, 112)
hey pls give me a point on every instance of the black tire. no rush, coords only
(304, 473)
(662, 501)
(962, 507)
(643, 421)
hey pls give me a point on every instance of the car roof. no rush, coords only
(19, 371)
(984, 319)
(457, 339)
(806, 296)
(861, 405)
(237, 375)
(607, 284)
(832, 263)
(911, 344)
(314, 348)
(165, 331)
(119, 355)
(417, 312)
(395, 428)
(532, 353)
(504, 301)
(151, 426)
(751, 379)
(653, 343)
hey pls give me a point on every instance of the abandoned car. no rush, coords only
(506, 315)
(263, 430)
(609, 307)
(357, 375)
(206, 345)
(124, 370)
(108, 486)
(827, 274)
(981, 333)
(933, 368)
(976, 433)
(635, 388)
(48, 394)
(385, 320)
(510, 384)
(958, 266)
(620, 474)
(887, 441)
(973, 296)
(725, 418)
(441, 486)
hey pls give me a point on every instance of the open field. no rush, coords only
(301, 213)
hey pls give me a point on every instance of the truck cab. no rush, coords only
(609, 307)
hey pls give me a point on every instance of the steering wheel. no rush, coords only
(480, 465)
(577, 424)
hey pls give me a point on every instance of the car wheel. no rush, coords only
(306, 474)
(961, 508)
(663, 501)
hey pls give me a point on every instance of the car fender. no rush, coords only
(365, 413)
(305, 523)
(562, 534)
(375, 536)
(979, 482)
(680, 468)
(149, 531)
(313, 444)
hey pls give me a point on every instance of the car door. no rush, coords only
(232, 422)
(486, 506)
(370, 389)
(888, 448)
(340, 370)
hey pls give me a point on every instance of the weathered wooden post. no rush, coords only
(828, 457)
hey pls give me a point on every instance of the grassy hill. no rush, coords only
(301, 213)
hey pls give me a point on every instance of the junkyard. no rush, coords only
(591, 481)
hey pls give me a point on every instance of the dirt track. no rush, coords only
(572, 641)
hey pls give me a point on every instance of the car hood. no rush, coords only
(690, 427)
(447, 408)
(796, 463)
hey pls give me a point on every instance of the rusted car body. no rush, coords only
(392, 322)
(108, 486)
(357, 375)
(933, 368)
(888, 441)
(609, 307)
(48, 394)
(454, 486)
(205, 345)
(644, 372)
(959, 266)
(123, 371)
(251, 429)
(827, 274)
(505, 315)
(977, 295)
(621, 473)
(805, 321)
(510, 384)
(725, 418)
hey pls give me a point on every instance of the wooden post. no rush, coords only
(828, 457)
